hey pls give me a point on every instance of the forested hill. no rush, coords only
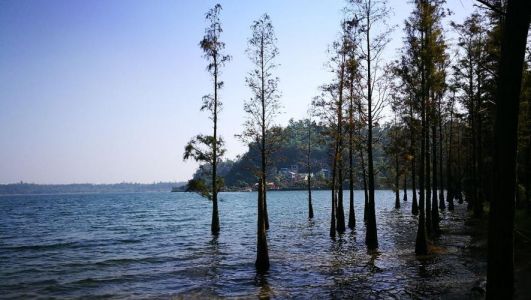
(31, 188)
(291, 153)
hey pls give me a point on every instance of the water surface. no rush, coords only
(158, 245)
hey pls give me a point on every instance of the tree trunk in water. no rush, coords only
(340, 214)
(364, 171)
(371, 235)
(449, 179)
(351, 213)
(262, 257)
(421, 246)
(310, 207)
(334, 186)
(309, 165)
(500, 271)
(215, 214)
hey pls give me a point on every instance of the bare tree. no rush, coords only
(261, 109)
(371, 21)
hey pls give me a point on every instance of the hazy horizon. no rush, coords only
(110, 91)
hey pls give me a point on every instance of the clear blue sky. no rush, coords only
(106, 91)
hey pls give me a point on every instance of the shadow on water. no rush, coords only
(265, 291)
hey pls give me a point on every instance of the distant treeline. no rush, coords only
(31, 188)
(291, 151)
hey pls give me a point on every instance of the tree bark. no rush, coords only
(262, 254)
(215, 228)
(500, 270)
(371, 236)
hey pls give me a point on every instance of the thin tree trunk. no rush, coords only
(364, 170)
(442, 204)
(351, 213)
(262, 257)
(215, 228)
(435, 205)
(371, 236)
(365, 188)
(449, 179)
(333, 209)
(262, 260)
(414, 206)
(478, 208)
(310, 207)
(340, 210)
(421, 246)
(428, 171)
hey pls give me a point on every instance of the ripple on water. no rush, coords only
(159, 245)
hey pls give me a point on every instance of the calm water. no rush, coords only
(158, 245)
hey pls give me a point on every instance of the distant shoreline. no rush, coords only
(85, 188)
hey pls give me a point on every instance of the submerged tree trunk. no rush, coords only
(364, 172)
(421, 246)
(215, 214)
(340, 214)
(310, 207)
(333, 218)
(371, 236)
(500, 271)
(262, 257)
(449, 180)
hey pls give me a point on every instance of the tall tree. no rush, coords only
(370, 18)
(353, 80)
(262, 108)
(309, 164)
(209, 149)
(327, 106)
(500, 270)
(470, 77)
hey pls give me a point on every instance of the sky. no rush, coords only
(108, 91)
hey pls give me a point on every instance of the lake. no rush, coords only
(158, 245)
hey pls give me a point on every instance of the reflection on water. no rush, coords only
(159, 245)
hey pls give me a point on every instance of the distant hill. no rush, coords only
(31, 188)
(291, 155)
